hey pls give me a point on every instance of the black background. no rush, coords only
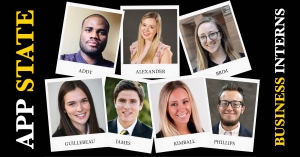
(256, 25)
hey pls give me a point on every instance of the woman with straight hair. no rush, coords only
(178, 111)
(213, 45)
(77, 110)
(148, 49)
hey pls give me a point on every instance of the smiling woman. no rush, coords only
(178, 111)
(77, 111)
(149, 49)
(213, 45)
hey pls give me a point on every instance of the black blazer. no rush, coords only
(140, 129)
(62, 132)
(242, 132)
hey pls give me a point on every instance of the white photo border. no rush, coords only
(63, 143)
(226, 69)
(151, 70)
(245, 144)
(81, 69)
(137, 144)
(195, 140)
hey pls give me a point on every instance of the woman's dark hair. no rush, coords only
(65, 121)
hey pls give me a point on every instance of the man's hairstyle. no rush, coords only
(232, 87)
(129, 85)
(97, 15)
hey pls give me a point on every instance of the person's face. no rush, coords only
(229, 115)
(209, 29)
(93, 36)
(77, 107)
(179, 106)
(128, 106)
(148, 28)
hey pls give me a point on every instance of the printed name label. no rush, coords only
(154, 71)
(183, 142)
(224, 142)
(123, 142)
(85, 71)
(222, 72)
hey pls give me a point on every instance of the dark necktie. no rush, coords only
(124, 132)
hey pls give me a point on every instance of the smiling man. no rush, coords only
(93, 39)
(231, 106)
(128, 99)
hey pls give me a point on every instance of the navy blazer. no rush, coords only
(140, 129)
(242, 132)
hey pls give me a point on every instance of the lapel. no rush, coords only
(138, 129)
(241, 131)
(113, 126)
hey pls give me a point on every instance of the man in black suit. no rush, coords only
(128, 99)
(231, 106)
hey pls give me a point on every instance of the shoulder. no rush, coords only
(133, 47)
(159, 134)
(107, 63)
(215, 128)
(101, 130)
(164, 49)
(68, 57)
(245, 132)
(110, 122)
(59, 132)
(146, 127)
(242, 54)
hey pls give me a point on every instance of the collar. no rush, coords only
(80, 59)
(129, 129)
(212, 64)
(235, 132)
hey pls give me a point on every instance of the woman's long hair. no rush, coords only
(65, 121)
(148, 59)
(166, 122)
(203, 54)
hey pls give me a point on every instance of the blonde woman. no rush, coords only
(148, 49)
(178, 111)
(213, 45)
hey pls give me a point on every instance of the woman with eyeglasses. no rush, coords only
(213, 45)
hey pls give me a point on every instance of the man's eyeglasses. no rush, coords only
(234, 104)
(212, 36)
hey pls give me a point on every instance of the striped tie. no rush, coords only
(124, 132)
(229, 133)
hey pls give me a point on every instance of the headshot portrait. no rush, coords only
(150, 36)
(90, 36)
(232, 106)
(180, 110)
(76, 107)
(128, 108)
(211, 38)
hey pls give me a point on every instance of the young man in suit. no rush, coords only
(231, 106)
(128, 100)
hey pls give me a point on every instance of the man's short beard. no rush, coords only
(229, 123)
(91, 53)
